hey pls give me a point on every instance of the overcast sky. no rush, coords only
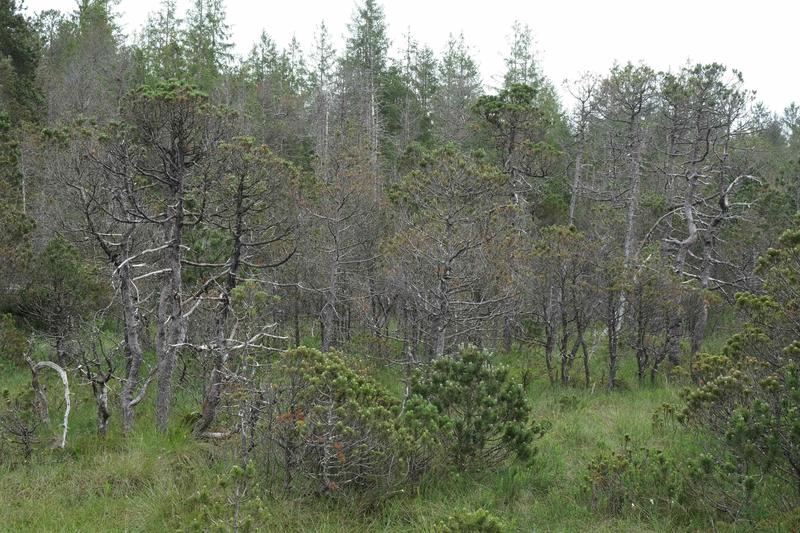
(758, 38)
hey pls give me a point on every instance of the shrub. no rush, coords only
(480, 521)
(749, 396)
(720, 484)
(230, 505)
(12, 341)
(18, 427)
(331, 429)
(490, 415)
(639, 481)
(646, 482)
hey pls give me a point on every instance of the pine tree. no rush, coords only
(521, 64)
(364, 66)
(17, 226)
(20, 47)
(160, 49)
(207, 42)
(459, 87)
(84, 70)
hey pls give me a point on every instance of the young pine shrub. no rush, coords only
(720, 485)
(18, 428)
(665, 420)
(334, 431)
(752, 410)
(480, 521)
(489, 414)
(232, 504)
(12, 342)
(641, 482)
(749, 395)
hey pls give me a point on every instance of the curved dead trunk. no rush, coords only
(42, 400)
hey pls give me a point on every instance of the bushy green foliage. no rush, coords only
(749, 395)
(18, 428)
(154, 480)
(633, 480)
(174, 109)
(12, 341)
(171, 90)
(480, 521)
(63, 286)
(524, 126)
(331, 428)
(445, 180)
(422, 215)
(719, 483)
(648, 483)
(232, 504)
(15, 246)
(491, 418)
(20, 48)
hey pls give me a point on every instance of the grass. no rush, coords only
(146, 482)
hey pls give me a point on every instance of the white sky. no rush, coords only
(572, 36)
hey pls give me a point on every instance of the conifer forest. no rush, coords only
(354, 285)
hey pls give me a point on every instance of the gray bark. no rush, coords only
(133, 348)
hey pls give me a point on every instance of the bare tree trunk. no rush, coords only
(439, 343)
(586, 371)
(40, 400)
(585, 90)
(166, 358)
(702, 314)
(328, 322)
(133, 348)
(580, 330)
(214, 388)
(613, 342)
(691, 226)
(103, 414)
(641, 349)
(329, 307)
(508, 335)
(416, 335)
(61, 349)
(563, 350)
(221, 349)
(176, 323)
(374, 136)
(630, 225)
(549, 347)
(440, 327)
(296, 313)
(550, 337)
(633, 207)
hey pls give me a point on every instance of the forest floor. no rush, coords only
(146, 482)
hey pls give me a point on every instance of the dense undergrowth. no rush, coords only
(152, 481)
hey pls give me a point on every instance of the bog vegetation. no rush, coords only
(352, 290)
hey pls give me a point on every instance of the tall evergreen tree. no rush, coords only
(20, 47)
(160, 46)
(459, 87)
(521, 64)
(207, 42)
(15, 246)
(85, 70)
(364, 65)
